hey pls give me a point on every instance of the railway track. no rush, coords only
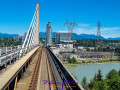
(41, 73)
(45, 73)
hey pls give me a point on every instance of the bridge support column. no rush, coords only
(15, 83)
(22, 73)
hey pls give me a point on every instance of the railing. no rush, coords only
(8, 54)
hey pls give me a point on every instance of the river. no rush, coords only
(89, 70)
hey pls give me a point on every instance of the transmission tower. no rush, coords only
(98, 39)
(70, 26)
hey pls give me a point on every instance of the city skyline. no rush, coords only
(16, 16)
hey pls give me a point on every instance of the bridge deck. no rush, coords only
(8, 74)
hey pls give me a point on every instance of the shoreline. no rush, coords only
(102, 62)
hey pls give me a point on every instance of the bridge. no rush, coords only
(33, 67)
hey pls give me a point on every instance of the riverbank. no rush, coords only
(91, 63)
(94, 62)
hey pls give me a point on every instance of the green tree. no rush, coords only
(112, 74)
(95, 77)
(84, 83)
(87, 49)
(91, 85)
(73, 60)
(100, 85)
(99, 75)
(119, 72)
(114, 83)
(69, 60)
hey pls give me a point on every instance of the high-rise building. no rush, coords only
(63, 39)
(62, 36)
(48, 34)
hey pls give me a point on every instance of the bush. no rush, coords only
(71, 60)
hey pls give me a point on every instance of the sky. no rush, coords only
(16, 15)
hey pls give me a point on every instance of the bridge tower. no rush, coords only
(31, 39)
(37, 23)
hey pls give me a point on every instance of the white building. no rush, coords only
(48, 34)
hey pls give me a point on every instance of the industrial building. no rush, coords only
(48, 35)
(63, 39)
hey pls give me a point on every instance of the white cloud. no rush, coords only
(84, 25)
(85, 31)
(105, 31)
(110, 28)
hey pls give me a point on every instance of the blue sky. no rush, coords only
(16, 15)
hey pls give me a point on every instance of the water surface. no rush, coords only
(89, 70)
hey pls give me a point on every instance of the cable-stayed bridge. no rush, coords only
(32, 67)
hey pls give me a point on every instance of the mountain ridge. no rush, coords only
(74, 35)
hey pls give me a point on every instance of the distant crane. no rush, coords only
(70, 26)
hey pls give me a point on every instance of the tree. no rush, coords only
(95, 77)
(88, 49)
(84, 83)
(91, 85)
(73, 51)
(119, 72)
(69, 60)
(73, 60)
(99, 75)
(111, 82)
(100, 85)
(111, 74)
(114, 83)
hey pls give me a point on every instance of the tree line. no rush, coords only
(106, 45)
(110, 82)
(8, 41)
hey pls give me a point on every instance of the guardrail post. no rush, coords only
(15, 86)
(6, 50)
(11, 49)
(0, 52)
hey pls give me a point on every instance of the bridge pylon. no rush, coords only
(32, 38)
(37, 23)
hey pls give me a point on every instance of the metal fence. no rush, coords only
(9, 54)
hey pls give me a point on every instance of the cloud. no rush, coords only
(110, 28)
(85, 30)
(105, 31)
(84, 25)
